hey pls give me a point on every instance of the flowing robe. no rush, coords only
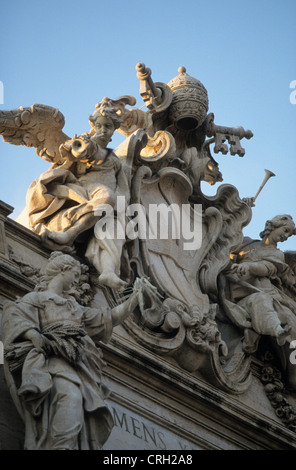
(63, 195)
(33, 375)
(258, 304)
(240, 294)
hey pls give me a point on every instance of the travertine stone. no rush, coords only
(206, 316)
(53, 363)
(159, 403)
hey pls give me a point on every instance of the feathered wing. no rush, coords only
(38, 126)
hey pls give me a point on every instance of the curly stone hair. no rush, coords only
(278, 221)
(106, 108)
(58, 262)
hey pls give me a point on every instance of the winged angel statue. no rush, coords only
(199, 304)
(63, 204)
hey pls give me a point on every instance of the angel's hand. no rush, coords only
(136, 295)
(256, 269)
(250, 201)
(241, 269)
(46, 345)
(65, 149)
(40, 342)
(83, 148)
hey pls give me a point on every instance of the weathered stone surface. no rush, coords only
(154, 402)
(11, 426)
(203, 316)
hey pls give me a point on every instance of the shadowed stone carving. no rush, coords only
(207, 304)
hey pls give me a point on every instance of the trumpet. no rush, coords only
(79, 145)
(268, 174)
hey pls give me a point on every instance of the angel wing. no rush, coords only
(38, 126)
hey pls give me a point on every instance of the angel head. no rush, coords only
(278, 229)
(104, 121)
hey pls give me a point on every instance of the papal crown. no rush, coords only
(190, 102)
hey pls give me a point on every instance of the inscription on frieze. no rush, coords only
(134, 432)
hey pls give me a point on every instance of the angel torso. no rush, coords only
(91, 176)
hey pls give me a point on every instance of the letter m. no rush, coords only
(121, 422)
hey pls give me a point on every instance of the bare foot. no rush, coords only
(110, 279)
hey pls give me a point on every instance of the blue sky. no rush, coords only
(69, 54)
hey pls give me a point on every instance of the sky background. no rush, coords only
(70, 54)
